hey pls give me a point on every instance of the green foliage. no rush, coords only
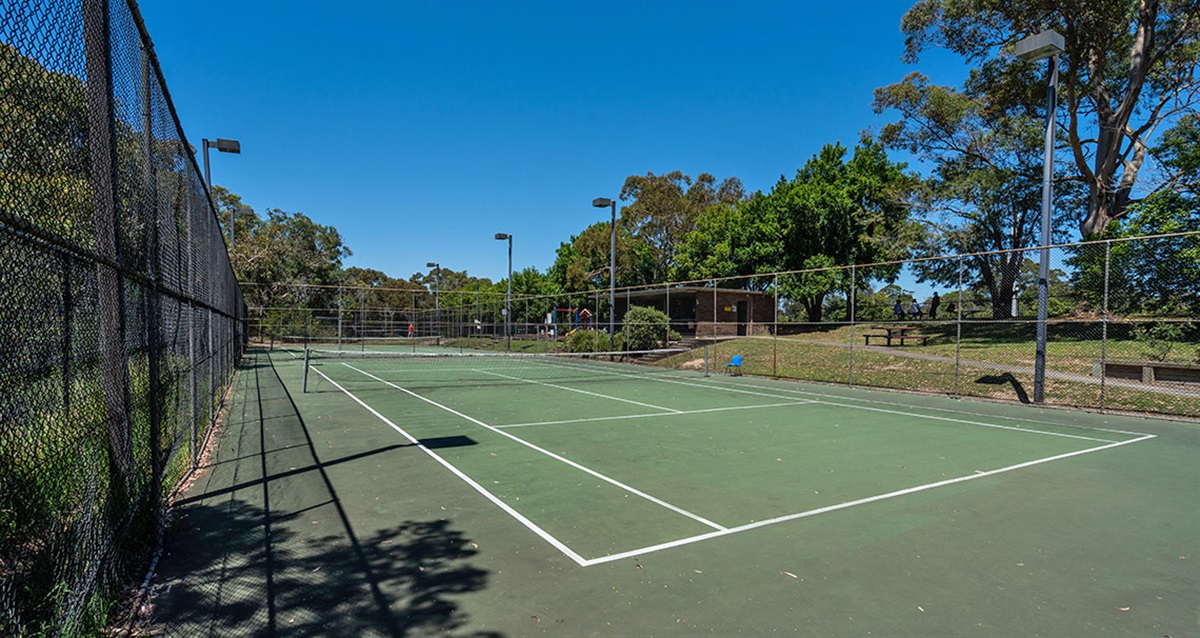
(644, 328)
(583, 263)
(1124, 61)
(587, 341)
(665, 209)
(1158, 339)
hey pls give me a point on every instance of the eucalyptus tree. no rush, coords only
(1129, 70)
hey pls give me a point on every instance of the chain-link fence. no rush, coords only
(119, 313)
(1121, 329)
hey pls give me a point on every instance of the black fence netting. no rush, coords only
(120, 317)
(1120, 330)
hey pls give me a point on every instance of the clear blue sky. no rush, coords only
(420, 130)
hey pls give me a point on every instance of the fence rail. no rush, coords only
(120, 317)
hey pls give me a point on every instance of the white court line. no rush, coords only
(593, 394)
(552, 455)
(840, 506)
(559, 545)
(643, 416)
(849, 405)
(937, 409)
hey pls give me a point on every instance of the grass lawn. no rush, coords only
(994, 359)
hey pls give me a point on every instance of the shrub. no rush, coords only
(1158, 339)
(645, 328)
(581, 340)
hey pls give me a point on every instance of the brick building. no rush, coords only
(706, 312)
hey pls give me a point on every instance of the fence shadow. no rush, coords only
(229, 578)
(243, 558)
(1006, 378)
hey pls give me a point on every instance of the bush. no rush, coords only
(645, 328)
(1158, 339)
(581, 340)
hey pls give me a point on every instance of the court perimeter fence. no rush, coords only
(1122, 330)
(120, 317)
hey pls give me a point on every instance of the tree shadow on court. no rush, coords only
(235, 572)
(1006, 378)
(264, 557)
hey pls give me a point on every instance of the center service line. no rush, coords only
(548, 453)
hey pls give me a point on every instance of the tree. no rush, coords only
(582, 264)
(665, 209)
(284, 252)
(1129, 68)
(835, 212)
(983, 196)
(1160, 275)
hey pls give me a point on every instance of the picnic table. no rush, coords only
(898, 334)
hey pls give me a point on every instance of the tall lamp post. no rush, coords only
(241, 211)
(437, 285)
(508, 298)
(1045, 45)
(601, 202)
(224, 146)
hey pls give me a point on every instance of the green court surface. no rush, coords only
(516, 496)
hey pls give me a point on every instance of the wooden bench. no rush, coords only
(889, 337)
(1148, 371)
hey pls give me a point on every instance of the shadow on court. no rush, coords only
(1006, 379)
(261, 544)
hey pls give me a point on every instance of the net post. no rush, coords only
(706, 360)
(304, 385)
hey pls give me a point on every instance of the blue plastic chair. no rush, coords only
(734, 366)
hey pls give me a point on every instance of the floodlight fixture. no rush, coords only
(222, 145)
(1040, 46)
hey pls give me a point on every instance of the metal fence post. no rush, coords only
(775, 328)
(1104, 324)
(852, 310)
(958, 331)
(102, 155)
(153, 307)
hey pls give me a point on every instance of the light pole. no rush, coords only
(437, 285)
(1045, 45)
(601, 202)
(225, 146)
(240, 211)
(508, 298)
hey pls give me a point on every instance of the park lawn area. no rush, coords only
(1072, 347)
(825, 357)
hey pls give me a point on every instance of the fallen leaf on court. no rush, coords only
(1123, 608)
(474, 545)
(921, 608)
(791, 574)
(697, 571)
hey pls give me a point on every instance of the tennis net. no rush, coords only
(440, 367)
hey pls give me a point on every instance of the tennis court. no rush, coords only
(585, 496)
